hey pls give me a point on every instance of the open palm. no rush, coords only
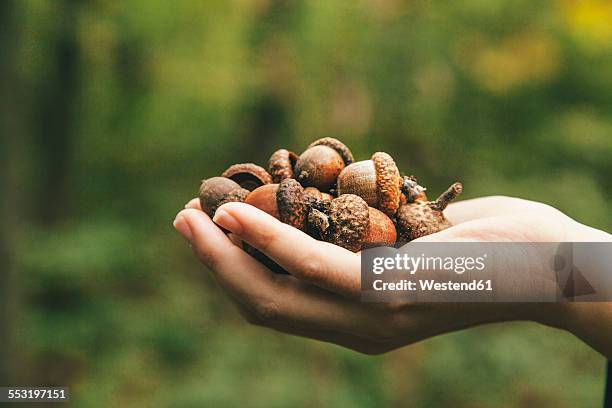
(319, 298)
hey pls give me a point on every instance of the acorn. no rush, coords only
(349, 222)
(421, 218)
(216, 191)
(377, 181)
(285, 201)
(321, 163)
(281, 165)
(248, 175)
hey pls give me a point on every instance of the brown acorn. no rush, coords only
(281, 165)
(377, 181)
(421, 218)
(285, 201)
(322, 162)
(248, 175)
(216, 191)
(349, 222)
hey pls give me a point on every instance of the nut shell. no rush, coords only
(421, 218)
(350, 218)
(337, 145)
(291, 203)
(359, 178)
(319, 166)
(388, 182)
(417, 220)
(281, 165)
(264, 198)
(216, 191)
(285, 201)
(234, 196)
(248, 175)
(381, 230)
(376, 180)
(314, 195)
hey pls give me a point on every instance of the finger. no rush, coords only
(238, 273)
(326, 265)
(492, 206)
(519, 271)
(516, 227)
(308, 308)
(194, 203)
(272, 298)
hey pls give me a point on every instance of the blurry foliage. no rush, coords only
(511, 97)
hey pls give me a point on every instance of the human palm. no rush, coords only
(319, 298)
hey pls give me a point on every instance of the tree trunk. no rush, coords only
(8, 134)
(53, 127)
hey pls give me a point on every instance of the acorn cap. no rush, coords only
(281, 165)
(315, 197)
(411, 190)
(235, 196)
(419, 219)
(388, 182)
(350, 219)
(292, 203)
(248, 175)
(337, 145)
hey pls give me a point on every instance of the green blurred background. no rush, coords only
(113, 111)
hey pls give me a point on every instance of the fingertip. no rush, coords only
(244, 213)
(227, 221)
(181, 226)
(200, 223)
(192, 214)
(194, 203)
(235, 206)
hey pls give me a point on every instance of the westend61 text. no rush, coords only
(432, 285)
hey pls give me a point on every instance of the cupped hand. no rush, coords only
(319, 298)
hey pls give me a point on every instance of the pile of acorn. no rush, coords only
(324, 193)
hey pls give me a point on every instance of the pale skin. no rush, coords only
(319, 298)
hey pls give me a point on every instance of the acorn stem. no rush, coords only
(446, 197)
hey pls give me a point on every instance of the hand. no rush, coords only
(320, 297)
